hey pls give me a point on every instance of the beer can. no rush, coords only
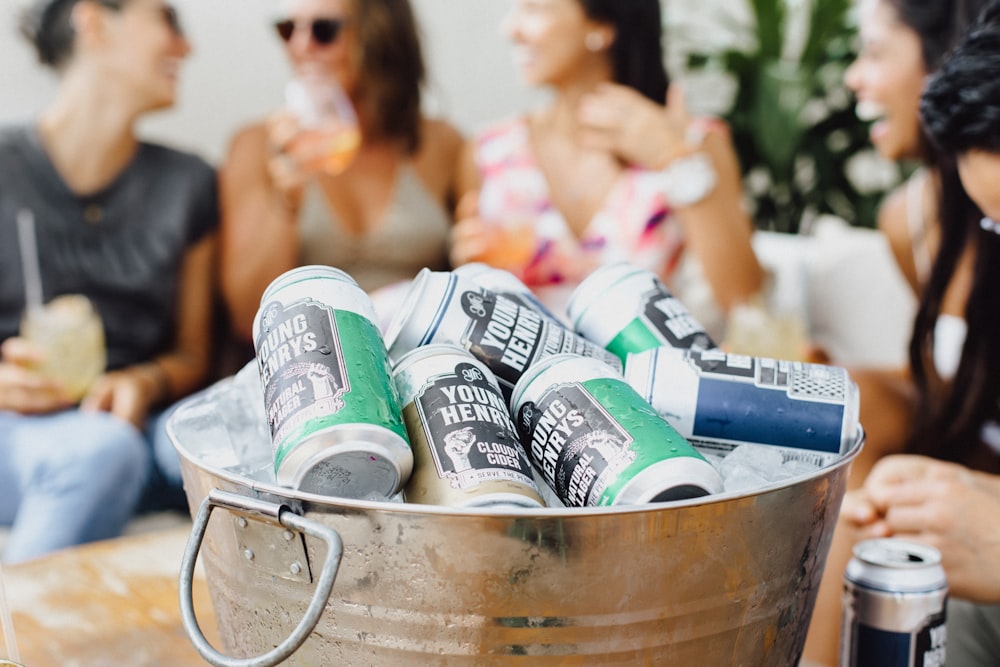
(626, 309)
(466, 452)
(808, 410)
(442, 307)
(505, 283)
(332, 408)
(895, 594)
(597, 442)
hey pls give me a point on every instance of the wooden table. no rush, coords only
(107, 604)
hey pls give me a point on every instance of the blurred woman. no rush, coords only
(383, 216)
(604, 172)
(127, 224)
(902, 43)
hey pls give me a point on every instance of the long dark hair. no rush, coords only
(390, 68)
(960, 110)
(637, 51)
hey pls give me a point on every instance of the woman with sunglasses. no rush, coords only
(386, 215)
(126, 223)
(605, 172)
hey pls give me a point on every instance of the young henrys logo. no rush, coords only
(577, 445)
(301, 364)
(469, 430)
(501, 334)
(675, 324)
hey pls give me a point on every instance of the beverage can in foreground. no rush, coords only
(730, 399)
(597, 442)
(336, 426)
(894, 606)
(626, 309)
(465, 449)
(442, 307)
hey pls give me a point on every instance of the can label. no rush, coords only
(579, 447)
(468, 430)
(508, 337)
(662, 320)
(307, 385)
(712, 396)
(874, 647)
(465, 447)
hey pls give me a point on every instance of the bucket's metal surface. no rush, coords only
(724, 580)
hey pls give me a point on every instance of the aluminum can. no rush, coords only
(332, 408)
(626, 309)
(465, 448)
(505, 283)
(808, 410)
(442, 307)
(597, 442)
(895, 595)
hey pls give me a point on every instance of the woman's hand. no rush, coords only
(944, 505)
(128, 394)
(22, 389)
(620, 120)
(509, 244)
(286, 174)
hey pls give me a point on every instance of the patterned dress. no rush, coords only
(634, 224)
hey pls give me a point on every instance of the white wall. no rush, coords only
(237, 70)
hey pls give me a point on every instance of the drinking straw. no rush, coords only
(7, 623)
(29, 259)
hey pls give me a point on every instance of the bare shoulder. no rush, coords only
(248, 140)
(440, 138)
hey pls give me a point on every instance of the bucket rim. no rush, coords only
(316, 500)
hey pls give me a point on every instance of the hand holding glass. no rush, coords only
(329, 137)
(69, 331)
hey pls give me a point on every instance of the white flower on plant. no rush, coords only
(869, 172)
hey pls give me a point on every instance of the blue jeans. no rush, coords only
(74, 477)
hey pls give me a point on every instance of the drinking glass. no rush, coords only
(329, 137)
(69, 331)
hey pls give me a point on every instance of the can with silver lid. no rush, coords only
(810, 411)
(333, 412)
(465, 448)
(442, 307)
(895, 594)
(597, 442)
(626, 309)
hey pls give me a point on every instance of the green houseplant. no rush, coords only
(803, 151)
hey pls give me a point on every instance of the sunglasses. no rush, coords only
(324, 31)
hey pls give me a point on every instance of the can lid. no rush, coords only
(408, 326)
(893, 564)
(594, 285)
(305, 273)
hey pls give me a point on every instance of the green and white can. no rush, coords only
(626, 309)
(597, 442)
(332, 408)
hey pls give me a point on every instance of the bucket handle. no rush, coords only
(271, 512)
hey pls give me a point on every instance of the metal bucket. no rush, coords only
(724, 580)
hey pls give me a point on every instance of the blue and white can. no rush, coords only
(722, 400)
(895, 596)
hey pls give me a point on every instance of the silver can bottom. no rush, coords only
(360, 461)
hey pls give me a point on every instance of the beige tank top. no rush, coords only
(412, 234)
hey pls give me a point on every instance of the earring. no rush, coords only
(989, 225)
(594, 41)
